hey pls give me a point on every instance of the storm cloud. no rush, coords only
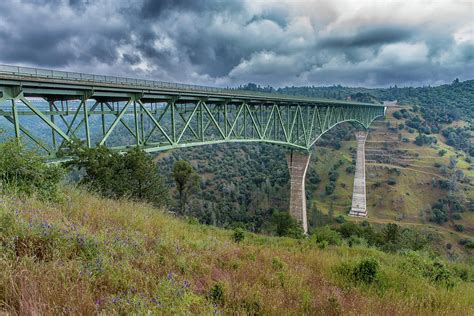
(230, 42)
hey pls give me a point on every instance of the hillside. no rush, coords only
(403, 179)
(86, 255)
(414, 184)
(391, 153)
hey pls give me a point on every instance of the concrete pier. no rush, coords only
(359, 204)
(298, 165)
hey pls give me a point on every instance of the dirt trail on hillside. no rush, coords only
(412, 169)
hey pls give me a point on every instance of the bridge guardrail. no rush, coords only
(66, 75)
(77, 76)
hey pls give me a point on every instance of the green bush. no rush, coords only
(132, 175)
(439, 273)
(397, 115)
(216, 293)
(238, 235)
(392, 181)
(469, 245)
(326, 234)
(23, 171)
(363, 272)
(330, 187)
(356, 241)
(285, 225)
(350, 169)
(459, 227)
(366, 270)
(340, 219)
(277, 264)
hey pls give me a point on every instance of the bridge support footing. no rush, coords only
(298, 165)
(359, 206)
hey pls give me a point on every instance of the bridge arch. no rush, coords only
(355, 123)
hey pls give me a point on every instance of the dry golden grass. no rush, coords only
(88, 255)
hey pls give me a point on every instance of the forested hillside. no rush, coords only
(421, 155)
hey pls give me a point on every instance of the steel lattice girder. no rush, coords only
(163, 120)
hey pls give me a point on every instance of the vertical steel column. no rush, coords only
(53, 133)
(245, 120)
(201, 118)
(142, 126)
(16, 121)
(86, 122)
(225, 121)
(135, 119)
(102, 118)
(173, 123)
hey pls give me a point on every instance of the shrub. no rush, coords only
(277, 264)
(326, 234)
(349, 229)
(216, 293)
(350, 169)
(459, 227)
(439, 216)
(25, 172)
(366, 270)
(397, 115)
(356, 241)
(464, 241)
(392, 181)
(238, 235)
(439, 273)
(333, 175)
(330, 188)
(340, 219)
(285, 225)
(133, 175)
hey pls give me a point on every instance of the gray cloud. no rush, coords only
(368, 36)
(231, 42)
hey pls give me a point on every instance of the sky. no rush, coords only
(375, 43)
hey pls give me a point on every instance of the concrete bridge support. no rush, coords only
(359, 206)
(298, 165)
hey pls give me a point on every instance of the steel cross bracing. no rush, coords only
(123, 115)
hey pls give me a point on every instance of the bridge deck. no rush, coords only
(53, 79)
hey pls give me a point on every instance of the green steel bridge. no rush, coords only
(160, 116)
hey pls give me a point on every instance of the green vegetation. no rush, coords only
(132, 175)
(238, 235)
(86, 254)
(186, 180)
(285, 225)
(23, 172)
(63, 245)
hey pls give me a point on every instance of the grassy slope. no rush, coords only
(413, 193)
(87, 254)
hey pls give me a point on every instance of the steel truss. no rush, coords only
(158, 119)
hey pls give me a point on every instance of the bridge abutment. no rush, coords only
(298, 165)
(359, 204)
